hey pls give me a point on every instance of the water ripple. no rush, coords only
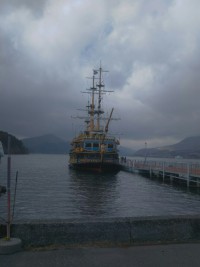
(47, 189)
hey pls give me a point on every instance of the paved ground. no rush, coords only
(152, 256)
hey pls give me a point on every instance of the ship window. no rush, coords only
(88, 145)
(96, 145)
(110, 145)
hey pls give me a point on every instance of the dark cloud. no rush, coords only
(151, 50)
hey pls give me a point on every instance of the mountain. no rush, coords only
(190, 143)
(16, 145)
(46, 144)
(187, 148)
(124, 151)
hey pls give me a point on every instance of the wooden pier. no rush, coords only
(184, 173)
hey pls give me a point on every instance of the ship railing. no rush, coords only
(94, 161)
(77, 139)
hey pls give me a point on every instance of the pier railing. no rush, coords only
(187, 172)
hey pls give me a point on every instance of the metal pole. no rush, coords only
(8, 189)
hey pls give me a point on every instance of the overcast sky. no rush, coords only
(151, 49)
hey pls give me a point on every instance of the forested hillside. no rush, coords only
(16, 146)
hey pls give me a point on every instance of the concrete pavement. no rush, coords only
(173, 255)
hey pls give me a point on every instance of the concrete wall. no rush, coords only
(113, 232)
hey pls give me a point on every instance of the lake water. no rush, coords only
(47, 189)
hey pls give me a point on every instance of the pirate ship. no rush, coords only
(95, 149)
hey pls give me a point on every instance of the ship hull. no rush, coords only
(96, 167)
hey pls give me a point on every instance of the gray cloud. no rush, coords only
(47, 48)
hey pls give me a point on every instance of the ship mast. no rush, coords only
(93, 121)
(100, 85)
(91, 112)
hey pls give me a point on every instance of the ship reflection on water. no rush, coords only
(97, 191)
